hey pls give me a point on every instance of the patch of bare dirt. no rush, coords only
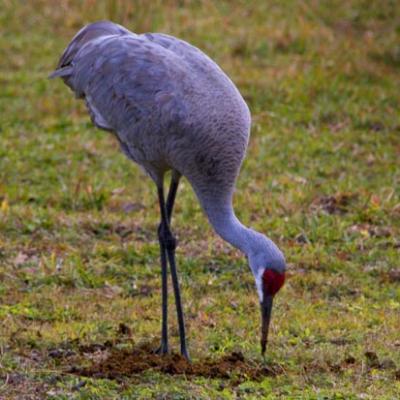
(374, 362)
(368, 230)
(394, 275)
(335, 204)
(120, 363)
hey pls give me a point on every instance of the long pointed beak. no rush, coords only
(266, 310)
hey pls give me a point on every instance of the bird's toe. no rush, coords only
(161, 350)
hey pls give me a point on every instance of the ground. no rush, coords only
(79, 263)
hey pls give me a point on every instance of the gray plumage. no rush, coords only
(171, 108)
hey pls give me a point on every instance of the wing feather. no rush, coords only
(127, 85)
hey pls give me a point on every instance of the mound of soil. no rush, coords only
(119, 363)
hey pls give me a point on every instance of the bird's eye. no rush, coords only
(272, 282)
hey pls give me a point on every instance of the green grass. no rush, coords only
(322, 178)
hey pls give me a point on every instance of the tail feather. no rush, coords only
(85, 35)
(61, 72)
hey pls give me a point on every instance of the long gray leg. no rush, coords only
(171, 246)
(167, 241)
(173, 188)
(164, 283)
(174, 274)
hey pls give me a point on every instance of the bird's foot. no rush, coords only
(162, 350)
(185, 354)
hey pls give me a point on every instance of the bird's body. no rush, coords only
(171, 108)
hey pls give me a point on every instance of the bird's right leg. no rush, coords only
(163, 349)
(170, 245)
(166, 213)
(173, 188)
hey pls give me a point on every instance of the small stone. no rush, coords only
(387, 363)
(56, 353)
(79, 385)
(302, 239)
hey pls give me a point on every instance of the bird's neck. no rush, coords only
(260, 250)
(224, 221)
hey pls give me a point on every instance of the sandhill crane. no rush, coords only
(172, 108)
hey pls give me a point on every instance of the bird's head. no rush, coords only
(268, 266)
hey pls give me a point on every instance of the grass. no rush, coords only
(78, 249)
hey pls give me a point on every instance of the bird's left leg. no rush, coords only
(178, 302)
(171, 257)
(170, 246)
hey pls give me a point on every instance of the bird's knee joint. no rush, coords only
(166, 237)
(170, 243)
